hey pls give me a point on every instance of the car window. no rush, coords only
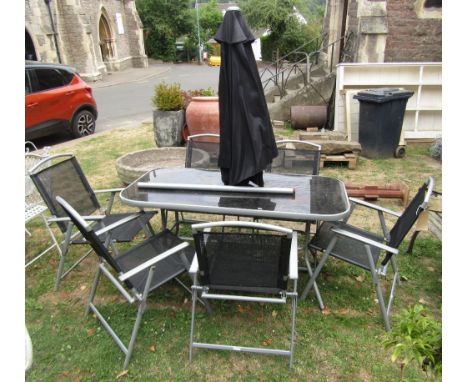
(67, 76)
(27, 83)
(49, 79)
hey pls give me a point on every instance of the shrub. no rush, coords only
(188, 95)
(168, 97)
(416, 337)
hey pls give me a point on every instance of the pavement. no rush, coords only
(131, 75)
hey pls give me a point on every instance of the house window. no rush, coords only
(433, 4)
(428, 9)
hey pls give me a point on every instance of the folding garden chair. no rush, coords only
(256, 265)
(34, 205)
(296, 157)
(365, 249)
(202, 151)
(140, 270)
(61, 175)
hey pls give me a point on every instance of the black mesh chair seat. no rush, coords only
(166, 270)
(245, 262)
(347, 249)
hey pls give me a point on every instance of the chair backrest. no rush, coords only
(61, 175)
(202, 151)
(410, 215)
(243, 261)
(32, 197)
(296, 157)
(88, 233)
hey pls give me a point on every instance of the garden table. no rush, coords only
(295, 198)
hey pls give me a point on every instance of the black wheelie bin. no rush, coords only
(381, 113)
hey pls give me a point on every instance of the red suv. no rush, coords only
(57, 99)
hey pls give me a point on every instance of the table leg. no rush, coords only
(310, 270)
(317, 271)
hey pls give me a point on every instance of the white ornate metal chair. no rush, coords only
(34, 205)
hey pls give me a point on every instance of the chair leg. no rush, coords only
(378, 289)
(319, 267)
(192, 324)
(136, 327)
(293, 328)
(93, 290)
(63, 254)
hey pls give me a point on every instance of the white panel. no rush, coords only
(427, 88)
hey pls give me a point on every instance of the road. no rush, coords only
(129, 104)
(124, 98)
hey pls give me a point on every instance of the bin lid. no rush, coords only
(382, 95)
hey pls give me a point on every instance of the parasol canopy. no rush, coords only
(247, 142)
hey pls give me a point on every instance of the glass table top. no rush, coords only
(314, 197)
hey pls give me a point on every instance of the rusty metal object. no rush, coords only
(390, 191)
(308, 116)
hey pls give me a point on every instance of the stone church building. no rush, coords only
(94, 36)
(383, 30)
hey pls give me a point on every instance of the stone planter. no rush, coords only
(133, 165)
(203, 115)
(168, 127)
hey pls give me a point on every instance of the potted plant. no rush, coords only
(202, 111)
(168, 115)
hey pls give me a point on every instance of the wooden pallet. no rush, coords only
(349, 158)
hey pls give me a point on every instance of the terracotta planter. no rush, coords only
(202, 115)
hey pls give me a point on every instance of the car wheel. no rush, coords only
(83, 124)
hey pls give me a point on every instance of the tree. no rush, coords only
(164, 21)
(210, 18)
(286, 32)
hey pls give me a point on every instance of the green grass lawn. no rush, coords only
(343, 343)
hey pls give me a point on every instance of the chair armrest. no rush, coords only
(118, 223)
(67, 219)
(375, 207)
(365, 240)
(194, 267)
(293, 270)
(153, 261)
(108, 190)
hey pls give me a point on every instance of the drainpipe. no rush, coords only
(53, 30)
(343, 29)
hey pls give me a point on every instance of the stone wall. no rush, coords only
(414, 33)
(385, 31)
(77, 26)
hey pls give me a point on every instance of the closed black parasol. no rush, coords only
(247, 142)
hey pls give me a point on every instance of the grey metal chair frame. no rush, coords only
(122, 281)
(34, 205)
(206, 294)
(370, 244)
(179, 216)
(71, 236)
